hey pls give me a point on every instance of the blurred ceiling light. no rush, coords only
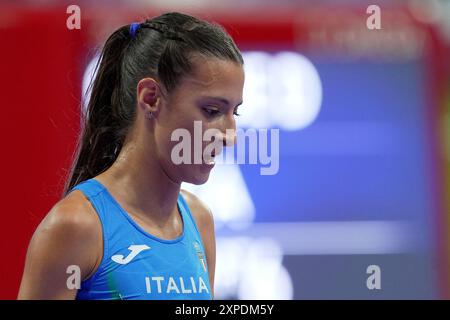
(281, 90)
(251, 268)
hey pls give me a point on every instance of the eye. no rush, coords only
(235, 112)
(211, 111)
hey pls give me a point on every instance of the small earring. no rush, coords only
(149, 115)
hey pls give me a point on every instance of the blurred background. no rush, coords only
(364, 125)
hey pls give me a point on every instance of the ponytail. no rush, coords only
(103, 130)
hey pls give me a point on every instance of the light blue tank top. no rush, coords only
(138, 265)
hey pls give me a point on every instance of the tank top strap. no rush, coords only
(94, 190)
(190, 221)
(89, 187)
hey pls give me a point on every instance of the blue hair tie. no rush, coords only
(133, 29)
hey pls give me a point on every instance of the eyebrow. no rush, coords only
(223, 100)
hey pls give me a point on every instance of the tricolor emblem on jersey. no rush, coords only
(200, 254)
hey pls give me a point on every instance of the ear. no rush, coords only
(148, 95)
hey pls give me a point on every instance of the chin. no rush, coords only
(200, 179)
(197, 177)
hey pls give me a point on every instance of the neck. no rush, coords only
(139, 183)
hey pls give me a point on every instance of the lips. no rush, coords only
(210, 160)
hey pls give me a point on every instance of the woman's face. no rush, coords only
(210, 94)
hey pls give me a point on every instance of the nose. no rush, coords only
(228, 133)
(228, 137)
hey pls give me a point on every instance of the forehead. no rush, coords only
(214, 76)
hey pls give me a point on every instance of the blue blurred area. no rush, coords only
(363, 158)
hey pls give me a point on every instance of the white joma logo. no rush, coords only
(135, 250)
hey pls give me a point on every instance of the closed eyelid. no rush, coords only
(212, 106)
(214, 110)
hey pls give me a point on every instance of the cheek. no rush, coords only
(171, 123)
(169, 139)
(187, 129)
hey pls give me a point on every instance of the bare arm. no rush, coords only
(70, 235)
(205, 223)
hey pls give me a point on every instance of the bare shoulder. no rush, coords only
(70, 234)
(70, 227)
(199, 209)
(72, 211)
(71, 218)
(74, 221)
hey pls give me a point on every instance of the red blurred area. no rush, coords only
(40, 83)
